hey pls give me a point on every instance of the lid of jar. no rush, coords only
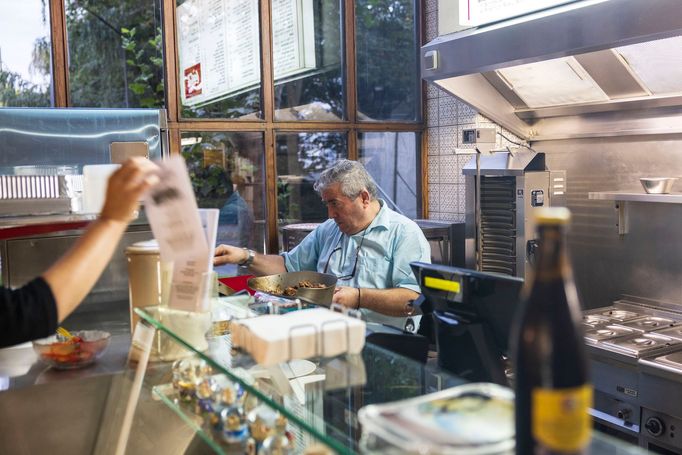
(552, 215)
(144, 247)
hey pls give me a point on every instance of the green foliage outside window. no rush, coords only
(115, 53)
(17, 92)
(211, 182)
(386, 50)
(145, 63)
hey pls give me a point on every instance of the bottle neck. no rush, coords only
(552, 261)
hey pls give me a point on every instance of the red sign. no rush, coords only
(193, 81)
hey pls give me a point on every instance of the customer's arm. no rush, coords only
(72, 277)
(263, 264)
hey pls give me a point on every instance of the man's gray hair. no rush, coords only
(352, 176)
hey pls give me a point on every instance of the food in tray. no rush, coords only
(291, 290)
(78, 350)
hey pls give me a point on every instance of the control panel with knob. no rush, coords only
(624, 414)
(654, 426)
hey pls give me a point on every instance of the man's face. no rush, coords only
(346, 212)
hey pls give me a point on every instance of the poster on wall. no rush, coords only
(479, 12)
(219, 45)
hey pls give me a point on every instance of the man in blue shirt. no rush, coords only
(368, 247)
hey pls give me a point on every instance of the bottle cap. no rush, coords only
(552, 215)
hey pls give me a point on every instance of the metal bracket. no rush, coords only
(623, 224)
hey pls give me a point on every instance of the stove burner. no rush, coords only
(597, 334)
(641, 344)
(650, 323)
(615, 314)
(673, 359)
(621, 314)
(594, 320)
(672, 332)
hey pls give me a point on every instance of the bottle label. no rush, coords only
(560, 418)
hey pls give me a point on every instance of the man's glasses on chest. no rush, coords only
(355, 262)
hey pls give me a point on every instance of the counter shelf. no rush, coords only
(166, 394)
(319, 408)
(622, 200)
(325, 409)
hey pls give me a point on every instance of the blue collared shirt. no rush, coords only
(384, 251)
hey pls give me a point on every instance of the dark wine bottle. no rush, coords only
(553, 391)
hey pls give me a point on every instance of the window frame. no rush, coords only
(267, 125)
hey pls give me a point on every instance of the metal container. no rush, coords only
(658, 185)
(276, 284)
(149, 278)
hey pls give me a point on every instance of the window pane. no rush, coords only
(115, 53)
(301, 158)
(308, 59)
(25, 57)
(386, 53)
(391, 159)
(219, 58)
(226, 171)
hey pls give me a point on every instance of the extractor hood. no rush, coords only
(585, 69)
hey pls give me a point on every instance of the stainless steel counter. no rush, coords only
(74, 412)
(79, 412)
(112, 318)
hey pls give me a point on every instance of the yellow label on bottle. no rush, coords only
(560, 418)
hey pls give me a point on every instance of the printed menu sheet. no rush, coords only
(184, 235)
(219, 45)
(479, 12)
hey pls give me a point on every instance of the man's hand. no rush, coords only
(228, 254)
(347, 296)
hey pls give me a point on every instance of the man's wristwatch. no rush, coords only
(250, 256)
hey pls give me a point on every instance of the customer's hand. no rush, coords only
(125, 188)
(228, 254)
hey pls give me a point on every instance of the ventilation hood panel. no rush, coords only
(585, 69)
(504, 163)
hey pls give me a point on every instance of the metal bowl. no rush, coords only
(658, 185)
(275, 284)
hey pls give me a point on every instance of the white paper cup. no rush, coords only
(95, 179)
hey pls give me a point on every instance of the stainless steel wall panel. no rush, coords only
(646, 262)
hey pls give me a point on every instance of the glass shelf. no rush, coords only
(321, 398)
(185, 413)
(324, 403)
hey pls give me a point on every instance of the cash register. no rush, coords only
(469, 316)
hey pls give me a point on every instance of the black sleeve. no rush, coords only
(27, 313)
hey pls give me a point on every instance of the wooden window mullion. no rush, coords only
(60, 66)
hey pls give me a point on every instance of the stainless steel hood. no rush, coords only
(506, 163)
(589, 68)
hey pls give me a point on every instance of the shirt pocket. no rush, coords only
(374, 272)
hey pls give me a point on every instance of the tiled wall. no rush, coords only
(446, 117)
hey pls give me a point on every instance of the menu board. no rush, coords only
(219, 45)
(479, 12)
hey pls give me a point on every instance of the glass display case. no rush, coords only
(310, 405)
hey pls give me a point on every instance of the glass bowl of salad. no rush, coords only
(83, 348)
